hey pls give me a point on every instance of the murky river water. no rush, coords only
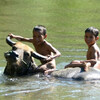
(43, 88)
(65, 21)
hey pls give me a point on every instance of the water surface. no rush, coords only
(65, 21)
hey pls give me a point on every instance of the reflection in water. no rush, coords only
(77, 56)
(74, 50)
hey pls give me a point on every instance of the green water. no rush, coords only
(65, 21)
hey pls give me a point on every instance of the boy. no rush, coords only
(42, 47)
(93, 53)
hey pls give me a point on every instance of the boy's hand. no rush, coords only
(11, 35)
(49, 58)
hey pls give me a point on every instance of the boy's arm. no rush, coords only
(55, 51)
(20, 38)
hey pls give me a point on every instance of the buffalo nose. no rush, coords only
(6, 54)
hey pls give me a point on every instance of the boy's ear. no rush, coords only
(45, 36)
(97, 37)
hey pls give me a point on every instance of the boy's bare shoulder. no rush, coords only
(48, 44)
(94, 48)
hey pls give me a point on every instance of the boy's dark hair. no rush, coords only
(92, 30)
(40, 28)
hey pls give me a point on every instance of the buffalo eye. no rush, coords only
(26, 54)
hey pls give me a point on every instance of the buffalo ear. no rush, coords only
(9, 41)
(38, 56)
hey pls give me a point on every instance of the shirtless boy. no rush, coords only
(42, 47)
(93, 53)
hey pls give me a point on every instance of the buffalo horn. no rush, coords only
(38, 56)
(9, 41)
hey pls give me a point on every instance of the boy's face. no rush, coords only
(90, 39)
(38, 37)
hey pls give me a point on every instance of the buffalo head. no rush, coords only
(20, 59)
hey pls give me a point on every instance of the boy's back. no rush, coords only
(93, 52)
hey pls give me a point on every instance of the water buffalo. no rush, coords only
(20, 59)
(77, 74)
